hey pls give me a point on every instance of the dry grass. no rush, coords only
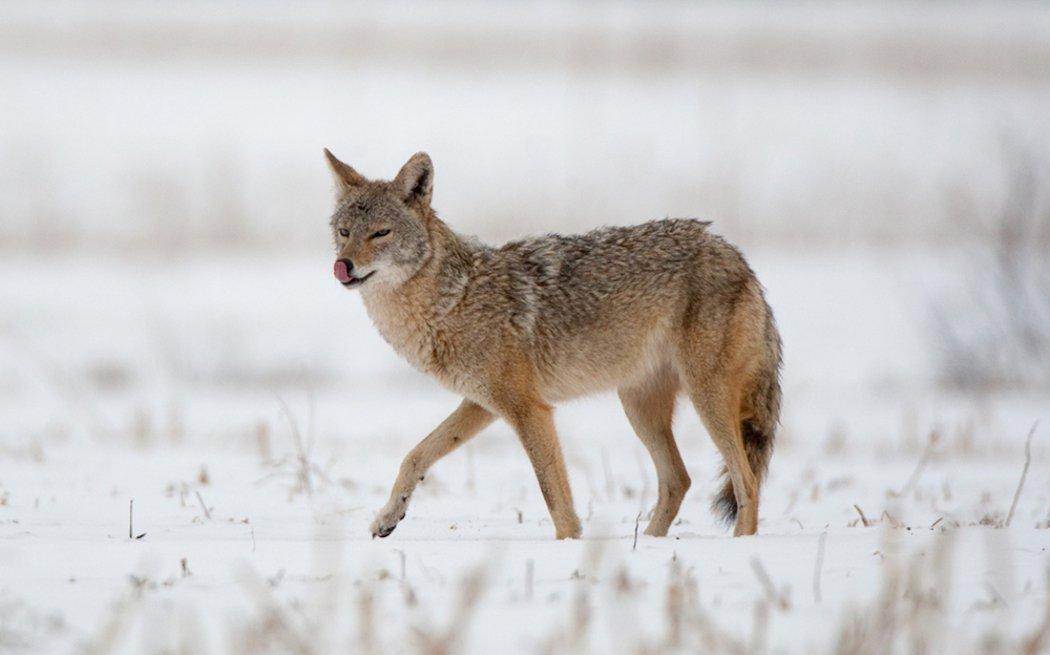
(227, 195)
(912, 609)
(1024, 473)
(299, 466)
(994, 332)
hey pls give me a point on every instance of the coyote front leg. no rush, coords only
(462, 424)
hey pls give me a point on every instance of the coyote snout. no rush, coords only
(345, 273)
(653, 311)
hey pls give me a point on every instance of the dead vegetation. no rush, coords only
(298, 467)
(911, 609)
(993, 332)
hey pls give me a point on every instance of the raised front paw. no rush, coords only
(385, 523)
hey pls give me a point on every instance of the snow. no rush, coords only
(165, 371)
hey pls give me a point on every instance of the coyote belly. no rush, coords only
(654, 311)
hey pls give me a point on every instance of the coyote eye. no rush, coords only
(380, 233)
(344, 233)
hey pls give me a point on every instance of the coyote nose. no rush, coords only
(342, 270)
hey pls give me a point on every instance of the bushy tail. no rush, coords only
(759, 430)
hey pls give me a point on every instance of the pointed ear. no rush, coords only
(346, 178)
(415, 180)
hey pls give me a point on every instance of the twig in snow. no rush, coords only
(530, 567)
(675, 605)
(637, 520)
(207, 513)
(818, 567)
(131, 521)
(934, 436)
(775, 596)
(891, 518)
(759, 627)
(581, 619)
(1024, 472)
(863, 519)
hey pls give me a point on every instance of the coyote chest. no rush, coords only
(402, 328)
(416, 336)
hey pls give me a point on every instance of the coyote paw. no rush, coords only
(380, 530)
(385, 523)
(570, 530)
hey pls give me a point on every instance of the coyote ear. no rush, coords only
(415, 180)
(346, 178)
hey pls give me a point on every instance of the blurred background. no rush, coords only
(194, 125)
(163, 201)
(169, 323)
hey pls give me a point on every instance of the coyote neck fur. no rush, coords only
(409, 316)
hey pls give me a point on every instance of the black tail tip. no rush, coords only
(724, 504)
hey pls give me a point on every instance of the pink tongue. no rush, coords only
(341, 272)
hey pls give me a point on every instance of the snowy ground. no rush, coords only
(162, 381)
(170, 333)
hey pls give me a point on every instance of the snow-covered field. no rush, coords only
(165, 382)
(197, 423)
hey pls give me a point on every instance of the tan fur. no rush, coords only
(648, 310)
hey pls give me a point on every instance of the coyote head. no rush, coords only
(381, 228)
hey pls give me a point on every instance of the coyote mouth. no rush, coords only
(357, 281)
(343, 268)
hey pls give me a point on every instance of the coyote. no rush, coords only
(648, 310)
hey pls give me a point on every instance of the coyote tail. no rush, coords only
(758, 430)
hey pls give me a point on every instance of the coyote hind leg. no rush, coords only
(649, 406)
(720, 412)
